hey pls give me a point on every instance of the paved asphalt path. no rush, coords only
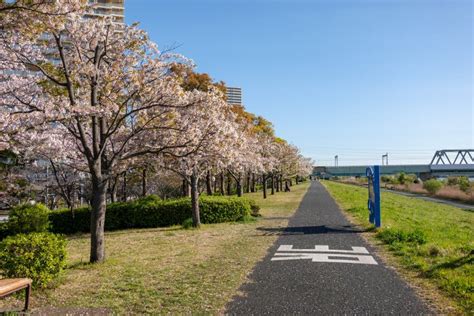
(323, 288)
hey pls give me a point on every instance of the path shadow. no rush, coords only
(312, 230)
(452, 264)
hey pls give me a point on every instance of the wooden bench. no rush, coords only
(10, 286)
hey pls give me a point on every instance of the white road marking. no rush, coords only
(358, 255)
(355, 250)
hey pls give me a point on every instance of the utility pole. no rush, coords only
(336, 161)
(385, 159)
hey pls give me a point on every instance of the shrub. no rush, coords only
(254, 208)
(392, 236)
(386, 179)
(38, 256)
(187, 223)
(3, 231)
(223, 209)
(464, 184)
(247, 219)
(150, 213)
(28, 218)
(432, 186)
(402, 178)
(452, 181)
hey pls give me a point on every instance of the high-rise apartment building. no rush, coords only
(114, 8)
(234, 96)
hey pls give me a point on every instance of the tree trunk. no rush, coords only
(277, 183)
(208, 183)
(240, 189)
(144, 178)
(113, 189)
(195, 200)
(124, 187)
(291, 182)
(184, 184)
(222, 183)
(229, 184)
(281, 183)
(99, 195)
(247, 189)
(253, 183)
(264, 186)
(272, 181)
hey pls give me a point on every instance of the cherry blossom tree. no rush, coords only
(212, 135)
(105, 92)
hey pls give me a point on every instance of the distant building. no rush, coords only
(114, 8)
(234, 96)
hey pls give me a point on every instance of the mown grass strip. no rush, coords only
(433, 239)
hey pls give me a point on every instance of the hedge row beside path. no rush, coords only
(152, 212)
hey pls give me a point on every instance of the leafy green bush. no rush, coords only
(452, 181)
(432, 186)
(38, 256)
(464, 184)
(248, 219)
(223, 209)
(392, 236)
(152, 212)
(3, 231)
(386, 179)
(187, 223)
(254, 208)
(402, 178)
(28, 218)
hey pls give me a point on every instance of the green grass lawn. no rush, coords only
(168, 270)
(447, 257)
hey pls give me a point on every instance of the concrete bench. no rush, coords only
(10, 286)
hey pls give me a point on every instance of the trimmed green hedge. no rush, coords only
(152, 212)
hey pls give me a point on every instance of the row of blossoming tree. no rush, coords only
(88, 96)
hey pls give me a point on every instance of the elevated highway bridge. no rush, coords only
(448, 162)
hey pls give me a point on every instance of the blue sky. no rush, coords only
(354, 78)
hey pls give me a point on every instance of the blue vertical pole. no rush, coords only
(377, 215)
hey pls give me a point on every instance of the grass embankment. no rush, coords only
(168, 270)
(435, 240)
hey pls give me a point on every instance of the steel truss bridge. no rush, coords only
(447, 162)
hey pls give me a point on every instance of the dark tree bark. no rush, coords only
(277, 183)
(221, 183)
(240, 188)
(247, 188)
(253, 187)
(98, 205)
(186, 187)
(208, 183)
(229, 184)
(272, 182)
(281, 183)
(264, 186)
(195, 200)
(291, 182)
(144, 182)
(113, 189)
(124, 187)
